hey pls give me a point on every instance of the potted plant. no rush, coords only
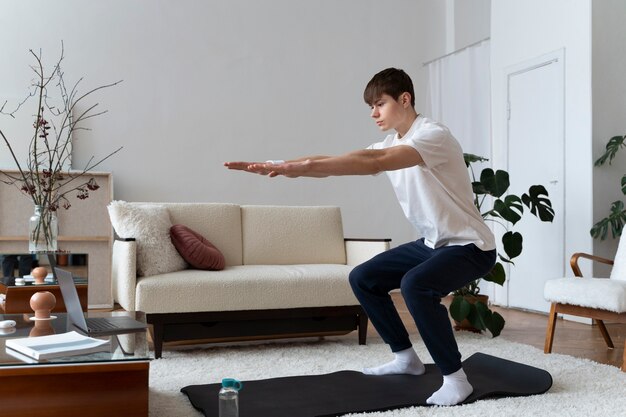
(43, 173)
(617, 215)
(468, 305)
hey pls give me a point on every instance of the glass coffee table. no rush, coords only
(98, 384)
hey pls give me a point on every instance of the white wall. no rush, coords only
(521, 31)
(466, 22)
(609, 111)
(472, 22)
(213, 81)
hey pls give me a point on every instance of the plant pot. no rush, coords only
(466, 324)
(62, 259)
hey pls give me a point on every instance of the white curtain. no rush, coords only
(459, 87)
(459, 91)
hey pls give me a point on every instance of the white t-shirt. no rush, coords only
(437, 197)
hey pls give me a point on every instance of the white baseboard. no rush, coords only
(100, 306)
(578, 319)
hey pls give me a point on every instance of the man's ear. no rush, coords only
(405, 99)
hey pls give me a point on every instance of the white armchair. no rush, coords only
(596, 298)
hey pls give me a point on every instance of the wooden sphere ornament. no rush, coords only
(40, 273)
(41, 328)
(42, 303)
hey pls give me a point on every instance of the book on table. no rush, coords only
(57, 345)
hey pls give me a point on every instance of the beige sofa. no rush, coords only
(286, 275)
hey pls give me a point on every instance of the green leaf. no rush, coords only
(511, 209)
(460, 308)
(496, 183)
(503, 259)
(496, 274)
(471, 158)
(539, 205)
(475, 317)
(512, 242)
(624, 184)
(479, 188)
(496, 325)
(613, 145)
(483, 310)
(615, 220)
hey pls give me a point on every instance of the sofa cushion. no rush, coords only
(220, 223)
(195, 249)
(149, 224)
(246, 288)
(284, 235)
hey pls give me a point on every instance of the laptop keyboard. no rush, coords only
(100, 325)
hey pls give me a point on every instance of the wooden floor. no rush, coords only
(571, 338)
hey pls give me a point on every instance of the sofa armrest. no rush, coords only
(124, 272)
(361, 250)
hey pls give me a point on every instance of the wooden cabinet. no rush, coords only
(17, 298)
(83, 228)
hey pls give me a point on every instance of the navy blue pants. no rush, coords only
(424, 276)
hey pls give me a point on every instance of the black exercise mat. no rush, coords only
(346, 392)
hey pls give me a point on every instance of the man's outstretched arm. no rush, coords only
(244, 166)
(361, 162)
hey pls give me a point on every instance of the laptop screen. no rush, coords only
(70, 297)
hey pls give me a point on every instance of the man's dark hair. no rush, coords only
(390, 81)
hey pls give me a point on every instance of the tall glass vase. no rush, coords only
(43, 231)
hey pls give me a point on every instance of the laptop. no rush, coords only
(93, 326)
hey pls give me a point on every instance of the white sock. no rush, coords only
(406, 362)
(455, 389)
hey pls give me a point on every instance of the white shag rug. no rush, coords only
(580, 388)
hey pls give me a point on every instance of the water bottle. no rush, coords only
(229, 397)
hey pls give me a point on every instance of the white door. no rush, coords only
(536, 155)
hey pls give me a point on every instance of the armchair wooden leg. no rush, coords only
(605, 333)
(550, 330)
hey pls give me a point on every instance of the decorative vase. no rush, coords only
(43, 231)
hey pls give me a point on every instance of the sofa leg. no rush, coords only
(157, 339)
(362, 328)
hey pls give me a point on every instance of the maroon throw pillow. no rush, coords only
(195, 249)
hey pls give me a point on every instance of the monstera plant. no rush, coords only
(495, 205)
(617, 214)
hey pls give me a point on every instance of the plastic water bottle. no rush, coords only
(229, 397)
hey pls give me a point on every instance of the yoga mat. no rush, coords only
(346, 392)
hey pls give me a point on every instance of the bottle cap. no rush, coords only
(232, 383)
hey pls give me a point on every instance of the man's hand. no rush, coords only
(253, 167)
(287, 169)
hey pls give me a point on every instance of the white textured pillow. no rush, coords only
(150, 225)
